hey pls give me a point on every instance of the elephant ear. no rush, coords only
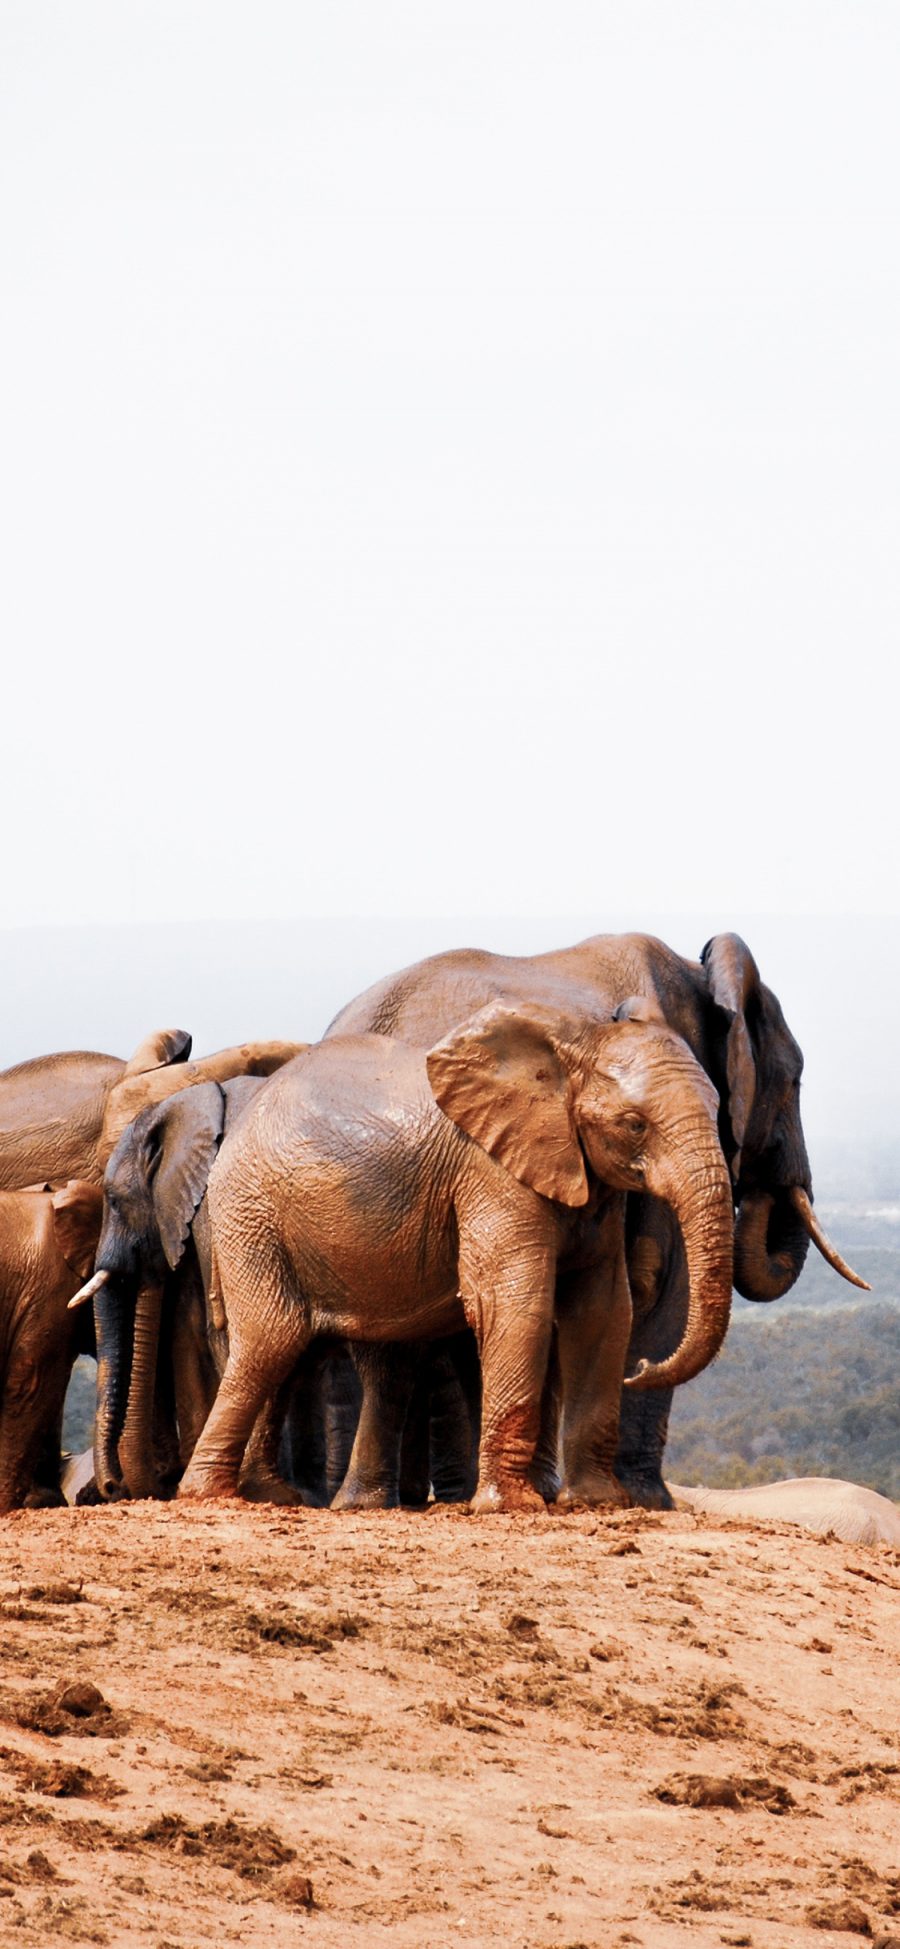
(502, 1078)
(733, 980)
(158, 1050)
(77, 1214)
(188, 1129)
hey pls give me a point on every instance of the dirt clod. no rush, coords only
(850, 1916)
(707, 1790)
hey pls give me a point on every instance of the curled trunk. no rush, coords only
(696, 1185)
(136, 1440)
(770, 1245)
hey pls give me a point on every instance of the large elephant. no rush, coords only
(61, 1115)
(346, 1202)
(735, 1027)
(51, 1117)
(158, 1329)
(47, 1243)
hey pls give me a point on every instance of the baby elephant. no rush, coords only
(382, 1194)
(47, 1244)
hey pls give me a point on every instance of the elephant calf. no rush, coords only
(374, 1192)
(47, 1244)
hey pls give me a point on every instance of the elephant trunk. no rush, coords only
(136, 1441)
(112, 1329)
(695, 1183)
(770, 1245)
(772, 1239)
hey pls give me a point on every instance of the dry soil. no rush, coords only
(231, 1724)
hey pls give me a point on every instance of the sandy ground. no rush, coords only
(232, 1724)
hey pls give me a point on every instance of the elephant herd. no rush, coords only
(465, 1246)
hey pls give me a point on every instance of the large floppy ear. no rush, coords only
(157, 1050)
(77, 1214)
(733, 980)
(501, 1077)
(188, 1129)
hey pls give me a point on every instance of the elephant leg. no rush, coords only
(594, 1322)
(303, 1446)
(388, 1375)
(658, 1276)
(454, 1423)
(31, 1410)
(196, 1378)
(250, 1379)
(544, 1473)
(343, 1401)
(260, 1478)
(513, 1324)
(414, 1484)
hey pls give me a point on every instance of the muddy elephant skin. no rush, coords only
(373, 1193)
(47, 1244)
(735, 1027)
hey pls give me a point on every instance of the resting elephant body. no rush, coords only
(376, 1194)
(735, 1028)
(47, 1244)
(827, 1507)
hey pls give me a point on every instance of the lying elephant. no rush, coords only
(47, 1244)
(828, 1507)
(347, 1203)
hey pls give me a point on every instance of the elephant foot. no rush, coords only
(205, 1485)
(547, 1481)
(512, 1497)
(43, 1498)
(646, 1490)
(594, 1491)
(263, 1487)
(364, 1495)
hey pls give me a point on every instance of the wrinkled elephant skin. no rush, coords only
(734, 1025)
(374, 1193)
(47, 1243)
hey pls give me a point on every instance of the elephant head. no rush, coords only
(623, 1104)
(759, 1065)
(154, 1183)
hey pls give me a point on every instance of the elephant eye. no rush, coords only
(634, 1123)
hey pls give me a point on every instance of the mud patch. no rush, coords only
(737, 1793)
(251, 1852)
(75, 1707)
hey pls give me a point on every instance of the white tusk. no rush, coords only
(801, 1204)
(87, 1292)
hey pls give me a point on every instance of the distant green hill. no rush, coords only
(797, 1392)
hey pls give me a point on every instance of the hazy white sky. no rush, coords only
(449, 457)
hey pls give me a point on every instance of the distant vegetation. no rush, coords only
(795, 1392)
